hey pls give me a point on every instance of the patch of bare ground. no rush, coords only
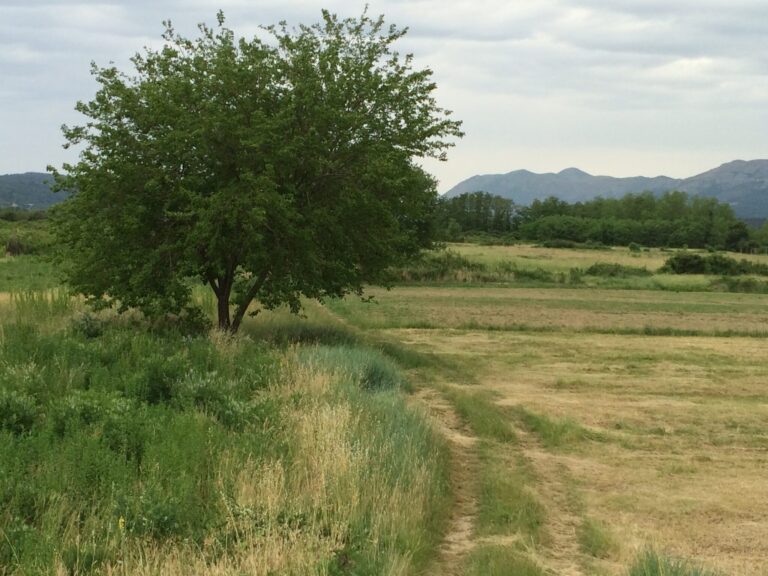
(459, 539)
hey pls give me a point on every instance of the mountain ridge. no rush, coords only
(741, 183)
(29, 190)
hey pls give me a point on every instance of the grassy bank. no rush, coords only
(131, 451)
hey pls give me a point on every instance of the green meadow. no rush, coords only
(510, 424)
(133, 448)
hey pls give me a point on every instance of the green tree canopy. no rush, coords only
(267, 169)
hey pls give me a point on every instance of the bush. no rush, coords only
(87, 325)
(18, 411)
(610, 270)
(15, 246)
(634, 247)
(685, 263)
(445, 265)
(746, 285)
(559, 244)
(689, 263)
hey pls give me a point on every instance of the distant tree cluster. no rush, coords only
(672, 219)
(19, 215)
(475, 212)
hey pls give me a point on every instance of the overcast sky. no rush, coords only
(616, 87)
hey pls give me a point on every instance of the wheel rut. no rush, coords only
(560, 552)
(459, 539)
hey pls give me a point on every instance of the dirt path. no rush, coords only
(459, 540)
(560, 551)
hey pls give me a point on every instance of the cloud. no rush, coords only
(572, 77)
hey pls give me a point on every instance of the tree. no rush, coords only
(269, 170)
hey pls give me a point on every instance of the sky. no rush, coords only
(619, 87)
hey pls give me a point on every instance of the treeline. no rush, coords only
(20, 215)
(673, 219)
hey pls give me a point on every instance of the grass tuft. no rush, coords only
(651, 563)
(596, 540)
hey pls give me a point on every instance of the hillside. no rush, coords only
(742, 184)
(29, 190)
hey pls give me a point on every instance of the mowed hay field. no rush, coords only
(597, 423)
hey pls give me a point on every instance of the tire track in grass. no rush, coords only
(560, 551)
(459, 540)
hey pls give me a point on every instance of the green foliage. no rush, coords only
(440, 266)
(96, 428)
(611, 270)
(114, 439)
(18, 411)
(474, 212)
(748, 285)
(671, 219)
(24, 236)
(18, 215)
(650, 563)
(265, 169)
(692, 263)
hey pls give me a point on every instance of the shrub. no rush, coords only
(15, 246)
(559, 244)
(747, 285)
(87, 325)
(445, 265)
(18, 411)
(634, 247)
(611, 270)
(685, 263)
(688, 263)
(534, 274)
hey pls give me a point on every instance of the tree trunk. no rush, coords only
(242, 308)
(223, 312)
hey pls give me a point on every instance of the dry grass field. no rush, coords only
(606, 421)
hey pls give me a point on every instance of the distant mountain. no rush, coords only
(742, 184)
(30, 190)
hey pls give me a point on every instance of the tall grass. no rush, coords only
(137, 452)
